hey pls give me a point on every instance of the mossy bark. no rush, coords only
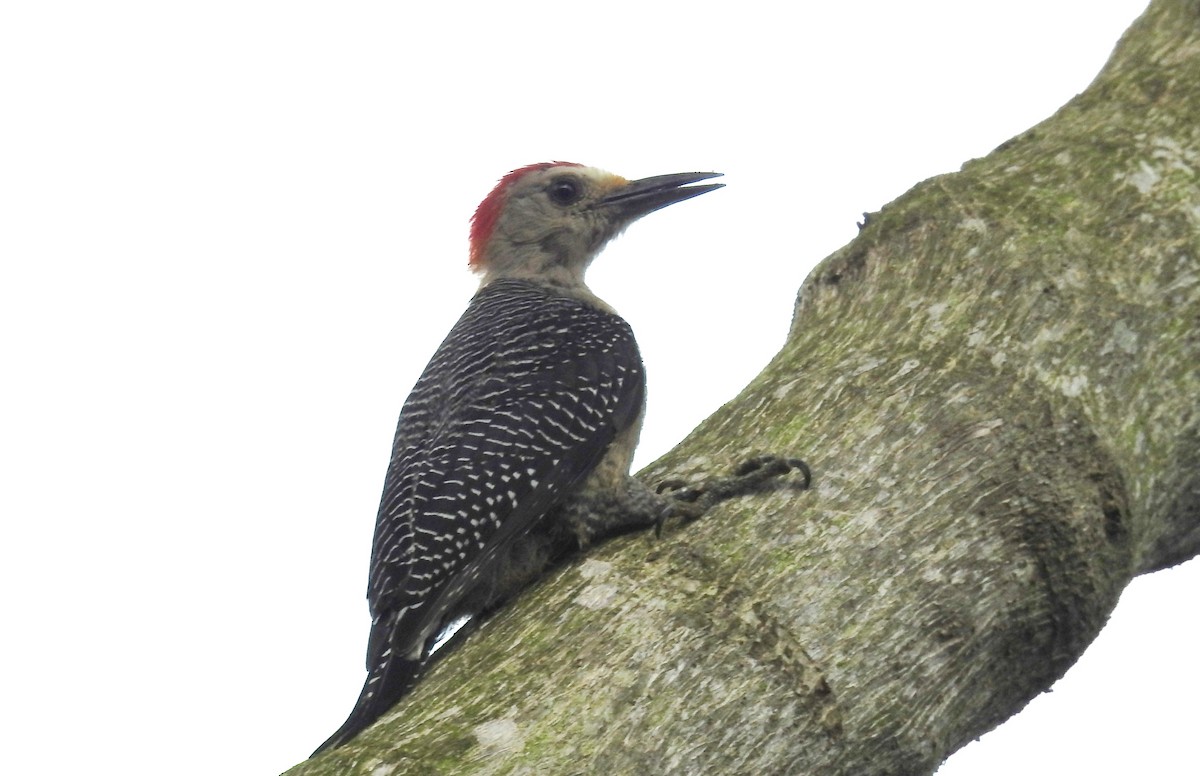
(996, 385)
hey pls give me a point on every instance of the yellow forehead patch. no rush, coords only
(606, 181)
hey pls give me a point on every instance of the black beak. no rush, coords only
(637, 198)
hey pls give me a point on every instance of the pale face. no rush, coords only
(550, 219)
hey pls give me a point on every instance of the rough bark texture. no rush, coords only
(996, 385)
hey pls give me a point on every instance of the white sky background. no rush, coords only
(232, 234)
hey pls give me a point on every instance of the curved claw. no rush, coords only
(672, 484)
(660, 522)
(766, 466)
(802, 467)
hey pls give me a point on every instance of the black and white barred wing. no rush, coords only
(524, 414)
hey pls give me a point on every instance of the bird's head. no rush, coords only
(551, 219)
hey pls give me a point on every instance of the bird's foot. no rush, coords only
(691, 501)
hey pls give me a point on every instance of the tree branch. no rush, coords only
(996, 385)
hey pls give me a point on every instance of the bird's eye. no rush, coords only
(565, 191)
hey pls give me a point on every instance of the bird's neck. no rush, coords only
(549, 272)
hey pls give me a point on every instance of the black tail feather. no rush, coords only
(386, 684)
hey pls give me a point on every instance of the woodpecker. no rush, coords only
(514, 447)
